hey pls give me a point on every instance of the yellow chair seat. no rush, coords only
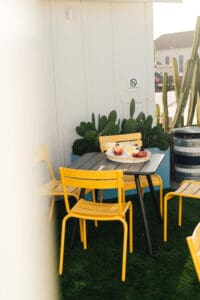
(194, 247)
(187, 189)
(55, 188)
(101, 211)
(129, 179)
(52, 187)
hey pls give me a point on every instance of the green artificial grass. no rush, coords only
(95, 273)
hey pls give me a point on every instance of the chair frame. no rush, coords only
(186, 189)
(193, 243)
(52, 188)
(85, 210)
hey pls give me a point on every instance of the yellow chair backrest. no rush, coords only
(47, 183)
(194, 247)
(87, 179)
(107, 141)
(43, 156)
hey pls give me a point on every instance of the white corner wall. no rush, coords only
(98, 47)
(28, 265)
(60, 61)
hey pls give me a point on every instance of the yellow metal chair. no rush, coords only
(106, 142)
(86, 210)
(194, 247)
(187, 189)
(52, 187)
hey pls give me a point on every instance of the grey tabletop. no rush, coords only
(98, 160)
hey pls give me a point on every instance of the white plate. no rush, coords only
(127, 158)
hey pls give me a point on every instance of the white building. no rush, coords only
(173, 45)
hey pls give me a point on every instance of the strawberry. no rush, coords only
(118, 150)
(134, 154)
(142, 153)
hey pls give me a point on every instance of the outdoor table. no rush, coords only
(98, 161)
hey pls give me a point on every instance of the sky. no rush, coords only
(175, 17)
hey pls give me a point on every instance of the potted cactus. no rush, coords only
(188, 91)
(153, 136)
(90, 132)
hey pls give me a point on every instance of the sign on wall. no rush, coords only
(132, 83)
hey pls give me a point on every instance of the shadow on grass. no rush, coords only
(96, 272)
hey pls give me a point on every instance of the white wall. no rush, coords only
(57, 66)
(27, 118)
(98, 47)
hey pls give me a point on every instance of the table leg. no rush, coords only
(82, 192)
(154, 197)
(96, 195)
(73, 233)
(146, 227)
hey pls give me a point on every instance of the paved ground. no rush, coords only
(171, 103)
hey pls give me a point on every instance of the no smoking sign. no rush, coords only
(132, 83)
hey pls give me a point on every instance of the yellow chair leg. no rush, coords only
(180, 208)
(62, 244)
(94, 200)
(101, 196)
(52, 204)
(81, 230)
(93, 196)
(84, 235)
(123, 196)
(124, 255)
(131, 228)
(165, 220)
(161, 199)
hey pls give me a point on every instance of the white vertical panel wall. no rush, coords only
(98, 47)
(27, 118)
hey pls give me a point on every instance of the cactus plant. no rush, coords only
(89, 132)
(129, 125)
(198, 110)
(152, 136)
(157, 113)
(177, 86)
(164, 100)
(190, 86)
(188, 90)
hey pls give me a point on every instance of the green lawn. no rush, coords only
(96, 272)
